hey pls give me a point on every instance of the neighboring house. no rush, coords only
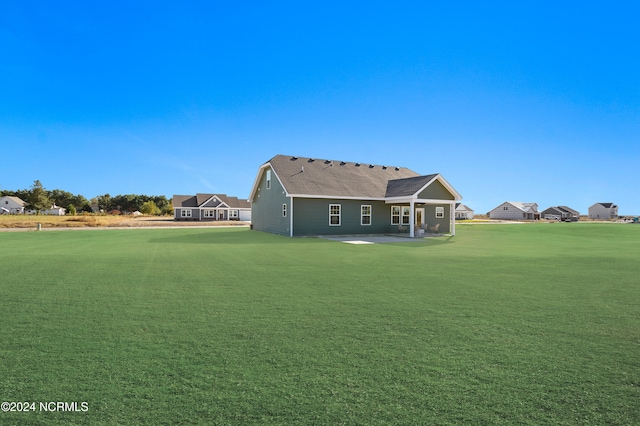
(55, 211)
(11, 205)
(463, 212)
(603, 211)
(560, 213)
(210, 207)
(515, 210)
(297, 196)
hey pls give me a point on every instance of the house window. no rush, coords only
(334, 214)
(365, 215)
(268, 179)
(185, 213)
(284, 210)
(233, 213)
(395, 215)
(505, 208)
(209, 213)
(405, 215)
(439, 212)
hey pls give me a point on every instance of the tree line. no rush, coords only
(38, 198)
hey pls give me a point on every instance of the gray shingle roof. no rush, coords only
(309, 176)
(408, 186)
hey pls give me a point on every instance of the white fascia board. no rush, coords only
(335, 197)
(209, 199)
(418, 200)
(450, 188)
(256, 183)
(444, 183)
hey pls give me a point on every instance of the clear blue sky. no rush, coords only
(518, 101)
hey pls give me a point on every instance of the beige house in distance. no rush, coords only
(515, 210)
(11, 205)
(604, 211)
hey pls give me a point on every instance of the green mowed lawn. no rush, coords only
(514, 324)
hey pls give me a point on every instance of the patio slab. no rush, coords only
(376, 239)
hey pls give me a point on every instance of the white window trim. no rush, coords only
(399, 215)
(363, 215)
(268, 179)
(406, 219)
(284, 210)
(185, 213)
(339, 214)
(439, 212)
(209, 213)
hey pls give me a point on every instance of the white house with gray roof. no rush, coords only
(463, 212)
(11, 205)
(298, 196)
(603, 211)
(515, 210)
(210, 207)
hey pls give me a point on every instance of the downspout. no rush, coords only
(291, 218)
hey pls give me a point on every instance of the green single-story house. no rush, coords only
(298, 196)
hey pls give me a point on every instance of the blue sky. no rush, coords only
(519, 101)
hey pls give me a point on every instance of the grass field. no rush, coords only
(502, 324)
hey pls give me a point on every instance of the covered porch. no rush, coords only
(421, 217)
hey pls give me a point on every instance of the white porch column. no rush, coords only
(452, 213)
(412, 214)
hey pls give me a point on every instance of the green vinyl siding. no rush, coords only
(431, 220)
(311, 217)
(266, 208)
(436, 191)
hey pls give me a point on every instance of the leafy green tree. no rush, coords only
(167, 209)
(37, 198)
(149, 207)
(71, 210)
(104, 202)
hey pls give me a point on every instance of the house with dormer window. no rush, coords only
(210, 207)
